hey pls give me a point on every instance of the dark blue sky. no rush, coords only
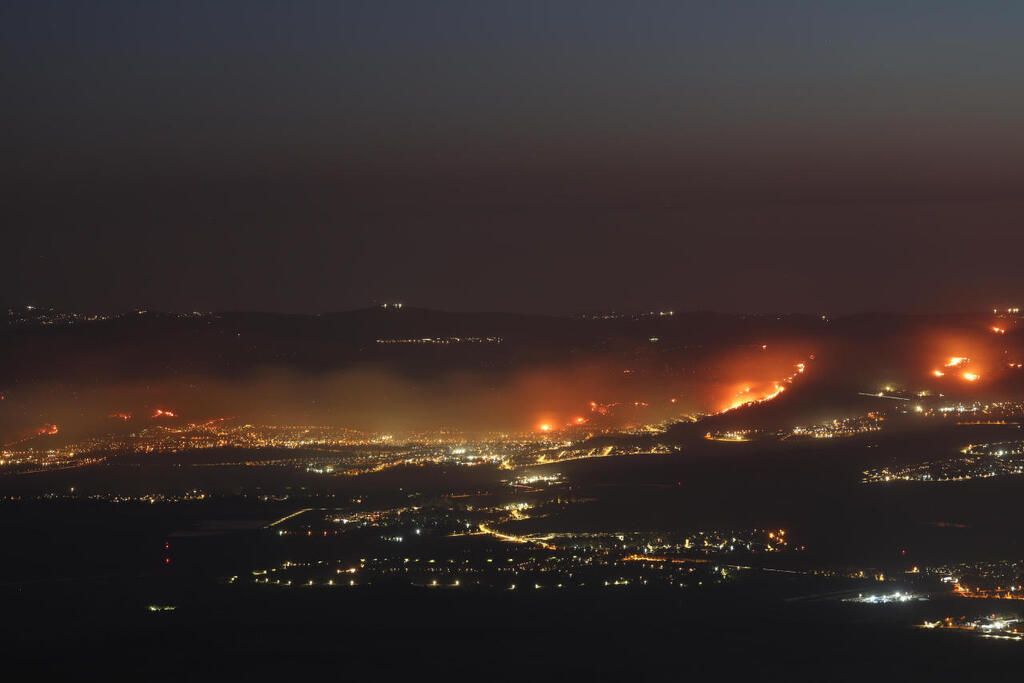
(548, 156)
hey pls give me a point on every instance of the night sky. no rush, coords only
(522, 156)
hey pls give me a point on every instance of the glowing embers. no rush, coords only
(962, 367)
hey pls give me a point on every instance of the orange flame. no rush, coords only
(747, 395)
(46, 429)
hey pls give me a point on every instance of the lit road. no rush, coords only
(514, 539)
(287, 517)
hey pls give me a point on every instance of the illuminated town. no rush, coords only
(981, 461)
(1000, 627)
(325, 450)
(567, 341)
(735, 476)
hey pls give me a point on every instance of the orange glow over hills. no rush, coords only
(754, 393)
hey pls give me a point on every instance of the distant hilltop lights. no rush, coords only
(614, 315)
(443, 340)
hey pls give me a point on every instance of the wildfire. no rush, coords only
(45, 430)
(601, 408)
(964, 365)
(748, 396)
(120, 416)
(159, 412)
(549, 423)
(744, 397)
